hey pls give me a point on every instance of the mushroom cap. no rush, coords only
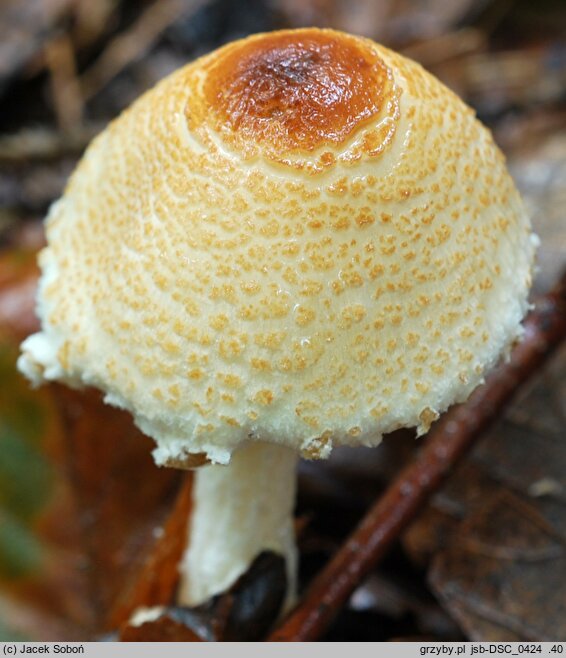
(301, 237)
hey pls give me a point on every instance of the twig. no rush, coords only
(443, 47)
(41, 144)
(65, 90)
(450, 440)
(132, 44)
(24, 29)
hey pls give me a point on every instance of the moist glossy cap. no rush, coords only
(302, 237)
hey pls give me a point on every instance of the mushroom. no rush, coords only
(298, 241)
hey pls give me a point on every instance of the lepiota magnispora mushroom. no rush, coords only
(300, 240)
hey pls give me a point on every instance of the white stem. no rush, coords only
(239, 510)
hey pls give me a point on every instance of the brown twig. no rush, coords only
(25, 27)
(65, 90)
(443, 47)
(452, 437)
(132, 44)
(44, 144)
(156, 583)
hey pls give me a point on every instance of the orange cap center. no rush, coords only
(297, 90)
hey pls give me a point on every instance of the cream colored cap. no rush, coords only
(302, 237)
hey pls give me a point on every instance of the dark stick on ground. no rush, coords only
(451, 438)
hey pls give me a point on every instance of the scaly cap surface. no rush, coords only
(302, 237)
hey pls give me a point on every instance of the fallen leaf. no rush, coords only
(80, 496)
(506, 566)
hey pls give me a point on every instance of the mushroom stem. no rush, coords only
(238, 511)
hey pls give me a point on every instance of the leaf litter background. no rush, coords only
(85, 517)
